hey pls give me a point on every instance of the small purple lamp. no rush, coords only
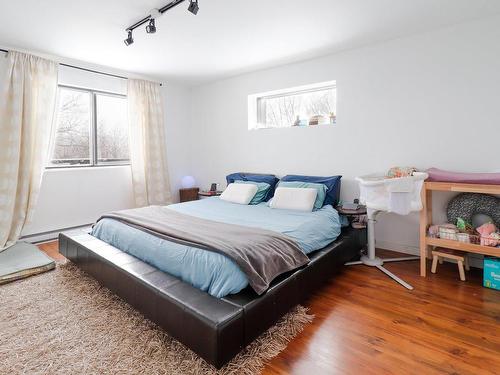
(188, 182)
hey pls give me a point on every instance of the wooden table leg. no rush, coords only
(425, 220)
(461, 270)
(434, 263)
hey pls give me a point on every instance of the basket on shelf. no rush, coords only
(449, 232)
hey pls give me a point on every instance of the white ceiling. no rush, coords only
(227, 37)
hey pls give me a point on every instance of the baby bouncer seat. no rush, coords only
(393, 195)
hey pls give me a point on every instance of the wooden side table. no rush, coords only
(429, 243)
(190, 194)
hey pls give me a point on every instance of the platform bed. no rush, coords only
(215, 329)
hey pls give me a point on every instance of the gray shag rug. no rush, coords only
(64, 322)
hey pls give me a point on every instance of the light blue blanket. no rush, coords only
(213, 272)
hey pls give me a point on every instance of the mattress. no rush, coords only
(210, 271)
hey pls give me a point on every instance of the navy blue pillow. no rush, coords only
(332, 183)
(271, 179)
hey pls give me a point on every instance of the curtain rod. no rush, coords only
(85, 69)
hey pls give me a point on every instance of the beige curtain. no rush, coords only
(27, 102)
(147, 144)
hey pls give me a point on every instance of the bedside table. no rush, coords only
(354, 216)
(190, 194)
(208, 194)
(360, 211)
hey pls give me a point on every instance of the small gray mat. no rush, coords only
(22, 260)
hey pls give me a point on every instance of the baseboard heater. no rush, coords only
(51, 235)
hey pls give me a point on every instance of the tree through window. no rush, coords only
(91, 129)
(298, 106)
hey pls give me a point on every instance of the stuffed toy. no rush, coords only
(397, 172)
(488, 235)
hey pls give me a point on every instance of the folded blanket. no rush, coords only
(261, 254)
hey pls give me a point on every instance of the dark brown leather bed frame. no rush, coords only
(216, 329)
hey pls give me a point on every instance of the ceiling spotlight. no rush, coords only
(129, 39)
(154, 14)
(193, 6)
(151, 28)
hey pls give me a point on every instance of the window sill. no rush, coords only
(63, 167)
(295, 126)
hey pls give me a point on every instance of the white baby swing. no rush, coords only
(396, 195)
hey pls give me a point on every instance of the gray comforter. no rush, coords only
(261, 254)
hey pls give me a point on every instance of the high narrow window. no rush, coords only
(91, 129)
(298, 106)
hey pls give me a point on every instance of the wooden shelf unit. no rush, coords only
(426, 220)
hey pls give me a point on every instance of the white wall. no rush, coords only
(426, 100)
(176, 108)
(3, 63)
(71, 197)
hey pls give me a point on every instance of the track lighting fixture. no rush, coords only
(129, 39)
(193, 6)
(154, 14)
(151, 28)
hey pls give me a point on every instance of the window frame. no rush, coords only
(257, 102)
(92, 131)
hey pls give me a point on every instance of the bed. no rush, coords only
(201, 297)
(212, 272)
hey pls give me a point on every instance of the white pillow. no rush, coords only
(301, 199)
(239, 193)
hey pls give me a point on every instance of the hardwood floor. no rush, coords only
(366, 323)
(52, 250)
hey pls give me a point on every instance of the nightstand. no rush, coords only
(360, 211)
(207, 194)
(354, 216)
(190, 194)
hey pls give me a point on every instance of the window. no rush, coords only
(112, 129)
(299, 106)
(91, 129)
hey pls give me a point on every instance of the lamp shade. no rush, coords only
(188, 182)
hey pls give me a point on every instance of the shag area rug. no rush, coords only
(64, 322)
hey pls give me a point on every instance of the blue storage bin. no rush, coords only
(491, 276)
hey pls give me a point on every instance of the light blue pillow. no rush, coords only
(321, 188)
(262, 190)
